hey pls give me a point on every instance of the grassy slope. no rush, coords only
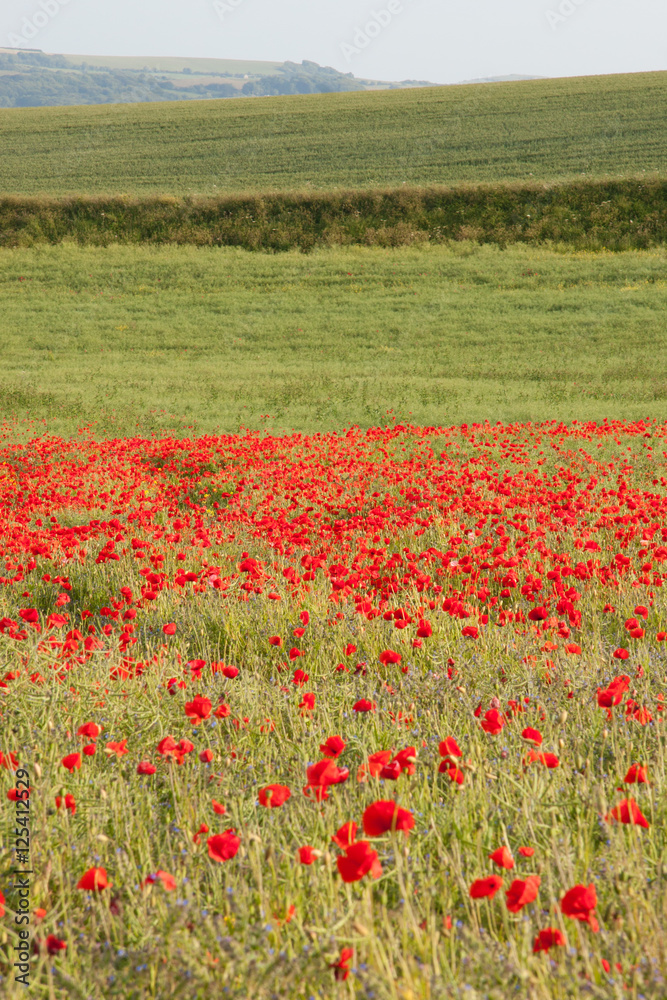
(218, 338)
(540, 130)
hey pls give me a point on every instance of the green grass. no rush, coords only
(548, 130)
(142, 339)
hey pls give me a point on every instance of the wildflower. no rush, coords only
(341, 967)
(72, 762)
(521, 892)
(198, 709)
(94, 880)
(274, 796)
(487, 887)
(627, 811)
(384, 816)
(223, 846)
(502, 857)
(359, 860)
(332, 747)
(548, 938)
(579, 903)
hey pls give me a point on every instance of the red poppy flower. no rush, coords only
(223, 846)
(550, 937)
(572, 648)
(145, 767)
(2, 904)
(218, 808)
(389, 656)
(322, 774)
(68, 801)
(72, 762)
(636, 775)
(94, 880)
(55, 944)
(168, 881)
(526, 852)
(198, 709)
(455, 774)
(223, 711)
(116, 748)
(486, 887)
(470, 632)
(345, 836)
(493, 722)
(627, 811)
(203, 828)
(90, 730)
(406, 759)
(300, 678)
(359, 860)
(363, 705)
(333, 747)
(449, 748)
(89, 750)
(521, 892)
(373, 765)
(274, 796)
(307, 855)
(294, 653)
(579, 903)
(206, 756)
(18, 796)
(341, 967)
(230, 672)
(307, 703)
(384, 816)
(169, 629)
(275, 640)
(613, 694)
(549, 760)
(532, 736)
(503, 858)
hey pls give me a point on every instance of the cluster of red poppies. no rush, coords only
(481, 530)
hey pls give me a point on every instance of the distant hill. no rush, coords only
(31, 78)
(513, 78)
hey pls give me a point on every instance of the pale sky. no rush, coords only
(444, 41)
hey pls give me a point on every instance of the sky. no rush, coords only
(443, 41)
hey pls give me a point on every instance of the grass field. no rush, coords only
(548, 130)
(369, 715)
(142, 339)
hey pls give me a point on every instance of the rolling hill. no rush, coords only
(532, 131)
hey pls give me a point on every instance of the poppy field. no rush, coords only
(376, 713)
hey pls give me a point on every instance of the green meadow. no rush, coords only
(138, 339)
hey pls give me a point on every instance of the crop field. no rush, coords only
(362, 714)
(141, 339)
(543, 130)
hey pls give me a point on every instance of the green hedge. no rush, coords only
(618, 215)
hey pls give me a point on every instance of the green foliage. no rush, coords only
(138, 339)
(614, 215)
(543, 130)
(35, 83)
